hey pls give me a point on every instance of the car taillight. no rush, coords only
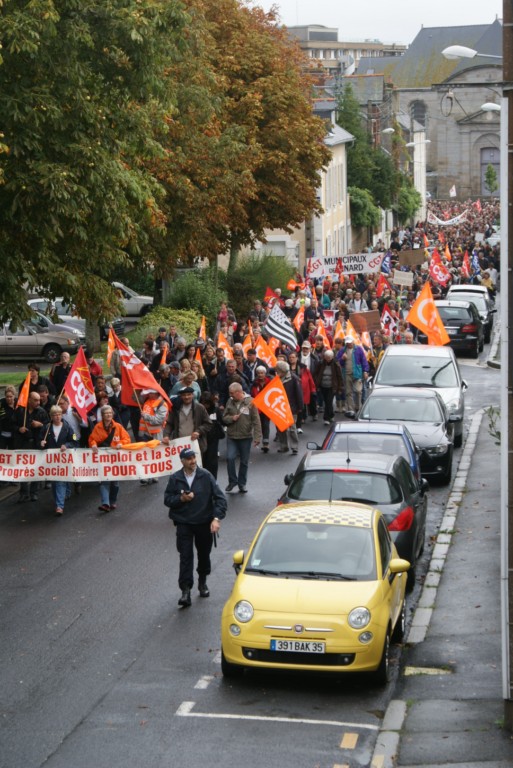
(469, 328)
(402, 522)
(279, 503)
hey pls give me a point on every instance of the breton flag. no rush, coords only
(279, 326)
(452, 191)
(386, 264)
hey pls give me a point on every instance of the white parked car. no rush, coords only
(134, 303)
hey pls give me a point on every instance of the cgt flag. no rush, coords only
(425, 316)
(273, 401)
(135, 376)
(79, 386)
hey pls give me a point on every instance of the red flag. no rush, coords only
(24, 393)
(135, 376)
(439, 273)
(388, 321)
(79, 385)
(441, 237)
(465, 267)
(435, 257)
(478, 205)
(425, 316)
(271, 296)
(382, 285)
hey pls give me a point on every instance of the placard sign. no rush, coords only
(366, 321)
(403, 278)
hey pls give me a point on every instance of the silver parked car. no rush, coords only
(29, 341)
(419, 365)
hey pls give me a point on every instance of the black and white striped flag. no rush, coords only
(279, 326)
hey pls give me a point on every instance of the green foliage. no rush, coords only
(494, 423)
(82, 87)
(491, 182)
(363, 211)
(198, 290)
(250, 278)
(408, 201)
(385, 179)
(187, 323)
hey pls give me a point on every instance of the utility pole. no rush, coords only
(506, 368)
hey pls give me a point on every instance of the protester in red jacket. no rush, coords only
(309, 391)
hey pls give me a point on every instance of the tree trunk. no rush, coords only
(234, 253)
(93, 335)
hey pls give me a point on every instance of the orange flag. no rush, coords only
(425, 316)
(441, 237)
(273, 344)
(222, 342)
(338, 333)
(447, 253)
(24, 393)
(247, 344)
(203, 329)
(321, 331)
(350, 331)
(197, 357)
(426, 241)
(299, 319)
(250, 332)
(264, 353)
(111, 344)
(273, 401)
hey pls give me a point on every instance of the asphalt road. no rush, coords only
(101, 668)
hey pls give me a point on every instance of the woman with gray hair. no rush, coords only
(58, 434)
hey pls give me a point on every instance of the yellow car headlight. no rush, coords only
(243, 611)
(359, 618)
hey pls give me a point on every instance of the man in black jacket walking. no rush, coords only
(196, 506)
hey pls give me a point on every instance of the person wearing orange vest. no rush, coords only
(108, 434)
(153, 419)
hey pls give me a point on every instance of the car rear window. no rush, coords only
(417, 371)
(419, 409)
(477, 299)
(459, 314)
(391, 445)
(340, 485)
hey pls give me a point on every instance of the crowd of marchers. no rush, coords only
(210, 381)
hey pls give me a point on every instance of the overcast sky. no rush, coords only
(386, 20)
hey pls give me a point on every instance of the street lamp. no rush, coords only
(462, 52)
(417, 143)
(490, 106)
(506, 401)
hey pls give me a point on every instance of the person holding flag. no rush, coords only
(28, 420)
(108, 434)
(58, 434)
(243, 427)
(153, 420)
(425, 316)
(262, 379)
(288, 438)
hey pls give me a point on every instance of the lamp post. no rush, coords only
(506, 389)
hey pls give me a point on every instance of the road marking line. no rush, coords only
(341, 765)
(204, 681)
(185, 710)
(349, 741)
(217, 658)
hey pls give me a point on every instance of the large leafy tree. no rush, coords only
(267, 104)
(82, 85)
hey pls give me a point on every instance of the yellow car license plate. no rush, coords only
(298, 646)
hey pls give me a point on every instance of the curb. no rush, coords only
(387, 743)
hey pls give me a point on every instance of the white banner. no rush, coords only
(81, 465)
(432, 219)
(350, 264)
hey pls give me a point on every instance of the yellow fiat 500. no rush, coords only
(321, 589)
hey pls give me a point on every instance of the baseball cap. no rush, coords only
(306, 344)
(187, 453)
(349, 340)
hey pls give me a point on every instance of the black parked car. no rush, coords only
(369, 478)
(483, 305)
(463, 325)
(424, 413)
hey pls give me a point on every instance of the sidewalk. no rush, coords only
(449, 705)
